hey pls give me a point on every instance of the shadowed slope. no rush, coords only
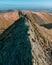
(17, 47)
(49, 26)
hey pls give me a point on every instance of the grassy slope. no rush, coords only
(7, 18)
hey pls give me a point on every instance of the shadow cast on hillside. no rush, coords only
(15, 46)
(48, 26)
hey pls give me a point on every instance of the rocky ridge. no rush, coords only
(24, 43)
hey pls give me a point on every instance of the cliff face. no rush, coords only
(25, 42)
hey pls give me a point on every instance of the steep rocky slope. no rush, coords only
(25, 42)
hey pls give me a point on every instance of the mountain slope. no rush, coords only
(25, 43)
(7, 18)
(44, 16)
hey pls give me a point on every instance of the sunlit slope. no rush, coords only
(7, 18)
(44, 16)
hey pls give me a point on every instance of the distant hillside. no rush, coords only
(7, 18)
